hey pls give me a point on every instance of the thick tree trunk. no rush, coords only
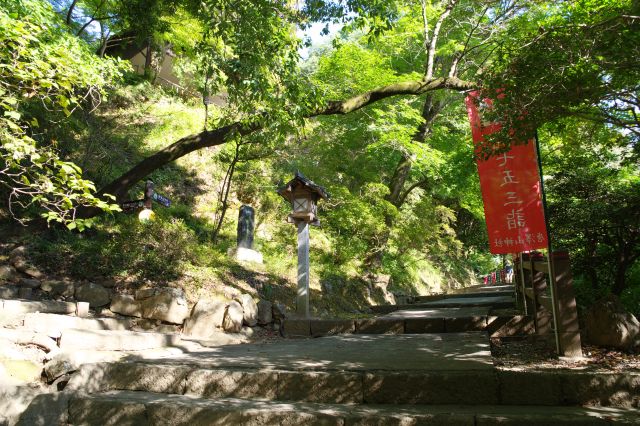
(184, 146)
(397, 192)
(399, 178)
(625, 260)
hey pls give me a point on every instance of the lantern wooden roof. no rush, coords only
(299, 184)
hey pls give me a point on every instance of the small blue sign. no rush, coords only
(161, 199)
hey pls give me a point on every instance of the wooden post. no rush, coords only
(542, 317)
(148, 195)
(567, 319)
(302, 300)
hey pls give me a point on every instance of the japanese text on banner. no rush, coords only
(510, 185)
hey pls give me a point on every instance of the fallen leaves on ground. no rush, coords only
(536, 353)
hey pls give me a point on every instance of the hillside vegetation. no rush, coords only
(405, 214)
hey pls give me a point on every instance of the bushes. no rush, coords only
(123, 246)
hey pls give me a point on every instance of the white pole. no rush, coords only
(302, 300)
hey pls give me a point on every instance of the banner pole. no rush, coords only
(552, 280)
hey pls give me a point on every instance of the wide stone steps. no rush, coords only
(116, 340)
(411, 379)
(415, 321)
(54, 324)
(143, 408)
(436, 297)
(437, 387)
(496, 302)
(13, 311)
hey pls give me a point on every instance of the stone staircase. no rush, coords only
(482, 310)
(431, 379)
(417, 365)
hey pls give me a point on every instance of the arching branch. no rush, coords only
(221, 135)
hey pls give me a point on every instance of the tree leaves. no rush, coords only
(41, 63)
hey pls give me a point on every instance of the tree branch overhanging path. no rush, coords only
(219, 136)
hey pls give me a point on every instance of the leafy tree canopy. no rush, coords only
(45, 74)
(568, 58)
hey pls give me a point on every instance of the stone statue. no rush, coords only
(245, 227)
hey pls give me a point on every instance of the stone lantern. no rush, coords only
(303, 195)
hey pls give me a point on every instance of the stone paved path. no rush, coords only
(456, 351)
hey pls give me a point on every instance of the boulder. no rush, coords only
(233, 318)
(58, 288)
(108, 283)
(18, 253)
(8, 292)
(145, 293)
(206, 318)
(94, 294)
(15, 399)
(265, 315)
(279, 311)
(26, 268)
(31, 283)
(608, 324)
(166, 304)
(126, 305)
(25, 293)
(7, 273)
(250, 309)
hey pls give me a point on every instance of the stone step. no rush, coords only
(67, 362)
(409, 387)
(434, 297)
(414, 321)
(141, 408)
(53, 324)
(496, 302)
(13, 311)
(116, 340)
(18, 306)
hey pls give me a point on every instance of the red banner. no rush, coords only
(510, 185)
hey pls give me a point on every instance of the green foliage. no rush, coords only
(249, 49)
(577, 58)
(154, 250)
(424, 229)
(594, 199)
(40, 63)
